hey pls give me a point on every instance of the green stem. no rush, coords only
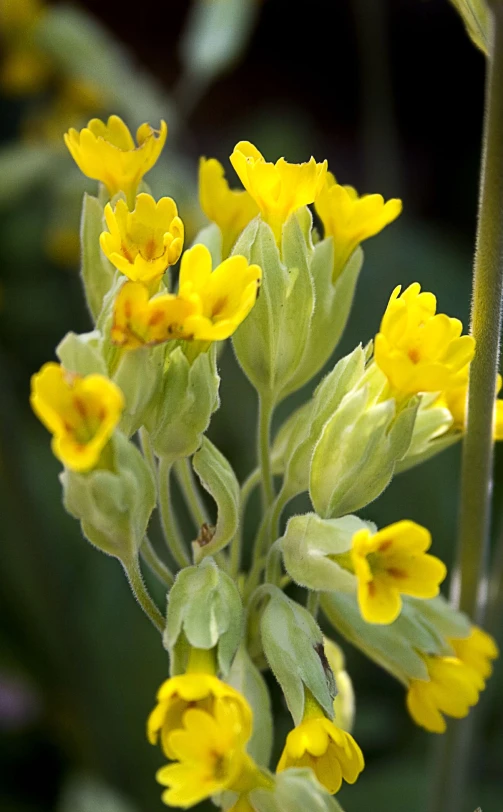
(477, 463)
(237, 542)
(265, 412)
(191, 495)
(169, 524)
(135, 578)
(157, 566)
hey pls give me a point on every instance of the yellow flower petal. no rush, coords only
(230, 209)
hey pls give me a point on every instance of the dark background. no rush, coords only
(391, 92)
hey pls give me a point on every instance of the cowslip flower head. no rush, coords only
(81, 413)
(204, 692)
(225, 295)
(477, 651)
(139, 320)
(452, 689)
(329, 751)
(278, 189)
(144, 242)
(349, 219)
(418, 349)
(390, 563)
(108, 153)
(456, 400)
(209, 754)
(230, 209)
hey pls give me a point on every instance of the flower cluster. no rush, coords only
(150, 367)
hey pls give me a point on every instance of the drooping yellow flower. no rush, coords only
(344, 702)
(81, 413)
(209, 753)
(107, 152)
(350, 219)
(456, 401)
(318, 743)
(419, 350)
(452, 689)
(202, 691)
(144, 242)
(392, 562)
(226, 295)
(278, 189)
(138, 320)
(230, 209)
(476, 651)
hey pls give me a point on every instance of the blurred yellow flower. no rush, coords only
(107, 152)
(350, 219)
(230, 209)
(476, 651)
(138, 320)
(202, 691)
(419, 350)
(81, 412)
(278, 189)
(390, 563)
(456, 401)
(144, 242)
(226, 294)
(329, 751)
(344, 702)
(452, 689)
(210, 756)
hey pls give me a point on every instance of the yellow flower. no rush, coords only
(452, 688)
(201, 691)
(456, 401)
(138, 320)
(81, 413)
(107, 152)
(210, 755)
(230, 209)
(392, 562)
(332, 754)
(350, 219)
(476, 651)
(226, 295)
(142, 243)
(419, 351)
(344, 702)
(278, 189)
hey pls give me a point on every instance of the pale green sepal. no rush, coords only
(431, 433)
(475, 15)
(271, 342)
(306, 424)
(97, 272)
(138, 373)
(205, 610)
(211, 237)
(354, 460)
(331, 309)
(293, 645)
(114, 506)
(82, 354)
(247, 679)
(308, 544)
(295, 790)
(182, 409)
(441, 616)
(218, 478)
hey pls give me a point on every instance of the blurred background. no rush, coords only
(391, 92)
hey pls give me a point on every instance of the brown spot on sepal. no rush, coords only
(206, 534)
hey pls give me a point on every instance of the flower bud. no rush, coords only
(114, 506)
(204, 611)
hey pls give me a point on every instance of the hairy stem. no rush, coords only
(135, 578)
(265, 412)
(190, 492)
(155, 564)
(170, 528)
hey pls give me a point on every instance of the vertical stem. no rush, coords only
(192, 496)
(237, 542)
(265, 412)
(135, 578)
(476, 474)
(169, 524)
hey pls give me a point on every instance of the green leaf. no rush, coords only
(218, 478)
(475, 15)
